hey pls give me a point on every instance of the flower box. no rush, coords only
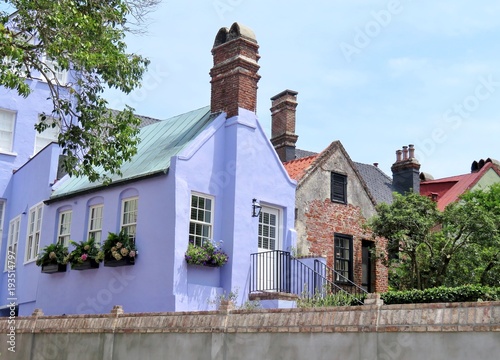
(126, 261)
(53, 268)
(87, 264)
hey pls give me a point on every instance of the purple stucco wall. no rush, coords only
(231, 160)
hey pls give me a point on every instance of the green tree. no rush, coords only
(86, 38)
(407, 223)
(476, 217)
(458, 246)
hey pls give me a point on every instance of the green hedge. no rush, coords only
(443, 294)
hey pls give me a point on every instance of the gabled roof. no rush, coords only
(378, 182)
(159, 142)
(301, 169)
(449, 189)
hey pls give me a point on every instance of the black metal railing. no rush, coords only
(339, 280)
(279, 271)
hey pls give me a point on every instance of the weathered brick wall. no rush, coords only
(325, 218)
(444, 331)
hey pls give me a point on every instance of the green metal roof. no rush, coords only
(159, 142)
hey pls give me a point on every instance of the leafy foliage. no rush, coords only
(429, 249)
(52, 254)
(442, 294)
(118, 246)
(83, 251)
(208, 254)
(85, 38)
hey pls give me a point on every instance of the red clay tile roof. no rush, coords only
(297, 168)
(449, 189)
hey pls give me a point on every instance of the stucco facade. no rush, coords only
(206, 152)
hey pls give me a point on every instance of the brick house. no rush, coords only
(333, 201)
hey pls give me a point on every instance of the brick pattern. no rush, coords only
(234, 76)
(283, 135)
(325, 218)
(452, 317)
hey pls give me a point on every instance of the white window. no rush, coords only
(64, 228)
(268, 229)
(49, 135)
(34, 227)
(12, 240)
(2, 211)
(129, 216)
(95, 223)
(7, 121)
(200, 226)
(55, 74)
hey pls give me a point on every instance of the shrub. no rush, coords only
(466, 293)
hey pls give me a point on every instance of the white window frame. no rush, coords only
(95, 222)
(61, 75)
(6, 132)
(197, 219)
(128, 220)
(64, 227)
(12, 241)
(270, 236)
(47, 136)
(34, 232)
(2, 214)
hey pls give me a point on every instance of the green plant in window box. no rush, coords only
(119, 247)
(85, 252)
(209, 253)
(53, 254)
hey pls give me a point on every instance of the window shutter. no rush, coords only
(339, 188)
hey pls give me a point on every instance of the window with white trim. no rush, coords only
(54, 72)
(129, 216)
(201, 224)
(2, 212)
(12, 241)
(7, 122)
(95, 223)
(34, 227)
(50, 134)
(64, 227)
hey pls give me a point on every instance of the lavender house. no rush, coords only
(194, 176)
(28, 167)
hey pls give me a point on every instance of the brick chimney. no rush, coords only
(283, 135)
(405, 171)
(234, 74)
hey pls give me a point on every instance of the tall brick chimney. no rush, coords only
(283, 135)
(234, 74)
(405, 171)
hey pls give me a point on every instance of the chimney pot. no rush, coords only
(398, 155)
(405, 153)
(412, 151)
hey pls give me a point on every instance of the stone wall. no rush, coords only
(417, 331)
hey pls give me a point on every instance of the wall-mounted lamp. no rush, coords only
(256, 208)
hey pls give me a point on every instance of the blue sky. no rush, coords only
(375, 75)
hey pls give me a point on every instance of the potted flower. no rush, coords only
(209, 253)
(52, 258)
(85, 255)
(119, 250)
